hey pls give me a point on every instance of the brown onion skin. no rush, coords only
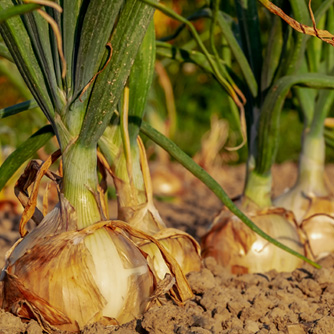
(319, 230)
(240, 250)
(50, 278)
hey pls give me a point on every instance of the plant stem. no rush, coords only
(312, 165)
(112, 148)
(312, 158)
(80, 179)
(131, 191)
(258, 189)
(5, 14)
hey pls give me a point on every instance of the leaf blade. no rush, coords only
(24, 152)
(17, 10)
(126, 40)
(17, 108)
(140, 80)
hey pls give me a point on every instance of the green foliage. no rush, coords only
(24, 152)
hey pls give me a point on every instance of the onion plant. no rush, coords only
(280, 72)
(311, 198)
(75, 58)
(232, 244)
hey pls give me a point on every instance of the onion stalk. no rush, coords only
(91, 270)
(280, 71)
(79, 264)
(258, 182)
(129, 168)
(246, 252)
(310, 183)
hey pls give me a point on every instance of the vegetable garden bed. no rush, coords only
(154, 267)
(297, 302)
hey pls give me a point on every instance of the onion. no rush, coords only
(68, 279)
(180, 245)
(166, 181)
(241, 250)
(318, 224)
(183, 247)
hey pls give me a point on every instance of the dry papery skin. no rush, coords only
(298, 302)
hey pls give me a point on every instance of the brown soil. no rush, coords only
(297, 302)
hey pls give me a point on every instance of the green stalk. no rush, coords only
(322, 108)
(17, 10)
(130, 188)
(20, 46)
(270, 115)
(272, 53)
(79, 181)
(238, 54)
(119, 141)
(5, 53)
(17, 108)
(248, 23)
(312, 158)
(312, 165)
(258, 190)
(108, 87)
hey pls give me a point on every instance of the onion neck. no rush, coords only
(80, 179)
(257, 190)
(312, 165)
(131, 189)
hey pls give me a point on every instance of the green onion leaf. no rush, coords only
(17, 108)
(24, 152)
(270, 114)
(17, 10)
(140, 81)
(126, 40)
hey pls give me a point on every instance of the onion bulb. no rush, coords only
(166, 181)
(238, 248)
(183, 247)
(68, 278)
(318, 226)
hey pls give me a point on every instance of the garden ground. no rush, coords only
(297, 302)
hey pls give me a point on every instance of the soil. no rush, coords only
(297, 302)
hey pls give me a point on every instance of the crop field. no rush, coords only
(166, 166)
